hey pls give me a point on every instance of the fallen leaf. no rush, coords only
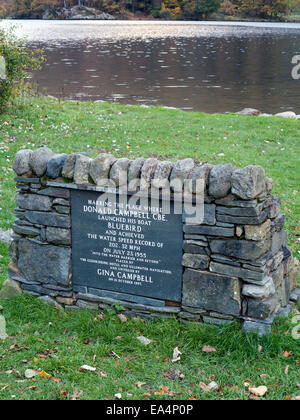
(44, 375)
(287, 353)
(208, 349)
(213, 386)
(113, 354)
(144, 340)
(259, 391)
(88, 368)
(162, 390)
(76, 395)
(286, 370)
(173, 374)
(3, 335)
(64, 393)
(122, 318)
(204, 387)
(140, 384)
(29, 373)
(176, 355)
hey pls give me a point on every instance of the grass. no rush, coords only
(293, 17)
(59, 343)
(45, 338)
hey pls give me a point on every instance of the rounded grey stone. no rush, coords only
(10, 290)
(200, 174)
(100, 168)
(39, 159)
(180, 173)
(162, 175)
(69, 165)
(21, 163)
(220, 180)
(118, 172)
(288, 114)
(55, 165)
(147, 173)
(6, 236)
(81, 171)
(134, 173)
(249, 112)
(249, 182)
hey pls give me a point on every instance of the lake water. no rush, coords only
(210, 66)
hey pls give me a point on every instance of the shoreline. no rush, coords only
(215, 21)
(158, 22)
(248, 112)
(87, 13)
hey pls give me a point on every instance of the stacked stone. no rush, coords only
(41, 250)
(236, 263)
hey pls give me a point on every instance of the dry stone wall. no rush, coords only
(235, 265)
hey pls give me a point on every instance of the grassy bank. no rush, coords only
(59, 343)
(168, 134)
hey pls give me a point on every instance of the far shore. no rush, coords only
(245, 23)
(214, 19)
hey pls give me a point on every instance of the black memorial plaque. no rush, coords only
(124, 247)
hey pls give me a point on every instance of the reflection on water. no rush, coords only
(193, 66)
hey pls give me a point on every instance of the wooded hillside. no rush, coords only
(164, 9)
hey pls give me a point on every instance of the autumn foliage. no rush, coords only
(164, 9)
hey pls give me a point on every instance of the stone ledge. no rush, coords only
(247, 183)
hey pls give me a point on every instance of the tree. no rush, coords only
(265, 8)
(294, 5)
(205, 8)
(18, 60)
(229, 8)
